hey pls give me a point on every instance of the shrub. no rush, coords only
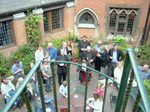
(144, 53)
(147, 87)
(4, 66)
(57, 42)
(25, 53)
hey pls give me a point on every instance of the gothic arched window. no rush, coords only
(112, 23)
(131, 19)
(86, 19)
(122, 21)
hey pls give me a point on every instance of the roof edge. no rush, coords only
(7, 13)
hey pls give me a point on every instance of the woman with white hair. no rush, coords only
(97, 50)
(29, 88)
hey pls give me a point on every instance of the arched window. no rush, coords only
(112, 23)
(86, 19)
(122, 21)
(131, 19)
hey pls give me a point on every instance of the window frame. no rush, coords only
(13, 31)
(129, 10)
(50, 21)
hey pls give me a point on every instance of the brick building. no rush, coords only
(85, 17)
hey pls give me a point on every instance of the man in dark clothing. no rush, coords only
(97, 51)
(64, 47)
(61, 68)
(115, 55)
(83, 45)
(89, 55)
(103, 59)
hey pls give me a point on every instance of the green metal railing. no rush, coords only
(123, 94)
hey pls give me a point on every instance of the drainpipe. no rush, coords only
(144, 38)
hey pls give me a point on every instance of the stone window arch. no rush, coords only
(112, 23)
(131, 18)
(86, 18)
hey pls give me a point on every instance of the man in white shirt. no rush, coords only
(8, 89)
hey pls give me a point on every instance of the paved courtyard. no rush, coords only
(92, 84)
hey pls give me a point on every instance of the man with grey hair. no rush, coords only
(52, 51)
(89, 55)
(64, 47)
(144, 71)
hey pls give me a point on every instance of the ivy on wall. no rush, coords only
(33, 31)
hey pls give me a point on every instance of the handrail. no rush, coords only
(139, 80)
(68, 62)
(37, 64)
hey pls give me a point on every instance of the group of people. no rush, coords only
(63, 53)
(96, 57)
(8, 88)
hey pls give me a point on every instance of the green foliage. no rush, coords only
(25, 54)
(33, 28)
(57, 42)
(76, 51)
(72, 35)
(147, 87)
(122, 44)
(118, 39)
(4, 66)
(101, 36)
(144, 53)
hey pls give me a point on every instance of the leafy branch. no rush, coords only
(33, 31)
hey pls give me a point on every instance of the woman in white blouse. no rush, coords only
(97, 103)
(39, 55)
(118, 72)
(63, 89)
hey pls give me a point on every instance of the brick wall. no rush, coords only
(86, 31)
(99, 6)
